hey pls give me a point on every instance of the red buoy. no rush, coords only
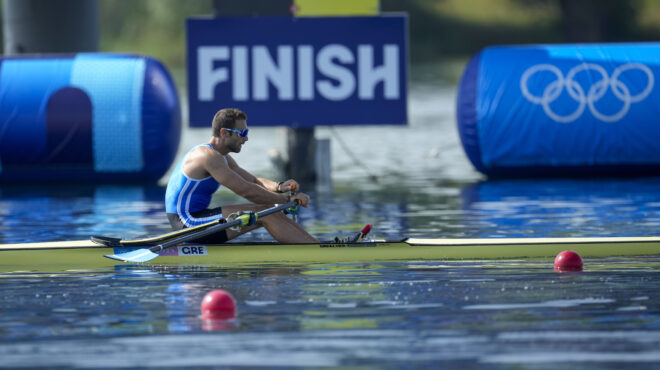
(218, 304)
(568, 261)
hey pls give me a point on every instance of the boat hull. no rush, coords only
(57, 256)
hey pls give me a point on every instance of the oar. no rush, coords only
(147, 254)
(109, 241)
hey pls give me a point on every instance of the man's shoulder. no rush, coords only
(209, 157)
(205, 151)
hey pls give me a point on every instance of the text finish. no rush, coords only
(299, 72)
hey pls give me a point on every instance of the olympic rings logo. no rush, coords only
(595, 93)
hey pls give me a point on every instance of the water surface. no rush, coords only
(406, 181)
(478, 314)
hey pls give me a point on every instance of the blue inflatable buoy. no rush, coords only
(562, 110)
(87, 117)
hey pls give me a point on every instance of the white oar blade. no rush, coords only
(138, 256)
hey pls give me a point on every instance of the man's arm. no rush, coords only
(270, 185)
(220, 170)
(247, 176)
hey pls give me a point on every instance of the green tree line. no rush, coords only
(438, 28)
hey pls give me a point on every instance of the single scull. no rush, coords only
(87, 254)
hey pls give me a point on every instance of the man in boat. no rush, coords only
(206, 167)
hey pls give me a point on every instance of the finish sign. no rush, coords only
(299, 72)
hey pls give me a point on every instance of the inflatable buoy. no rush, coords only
(548, 110)
(87, 117)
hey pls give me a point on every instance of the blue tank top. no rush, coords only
(185, 196)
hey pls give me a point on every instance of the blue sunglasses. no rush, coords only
(241, 133)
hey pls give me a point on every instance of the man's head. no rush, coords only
(227, 118)
(230, 129)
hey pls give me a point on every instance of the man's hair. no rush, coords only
(226, 118)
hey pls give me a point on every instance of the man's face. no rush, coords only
(236, 141)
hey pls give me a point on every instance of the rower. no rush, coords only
(206, 167)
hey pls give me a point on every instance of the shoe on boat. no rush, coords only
(354, 238)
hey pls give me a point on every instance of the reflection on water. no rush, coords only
(503, 208)
(564, 207)
(66, 212)
(400, 314)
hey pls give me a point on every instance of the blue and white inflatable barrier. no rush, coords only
(86, 117)
(562, 110)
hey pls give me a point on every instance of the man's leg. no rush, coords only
(280, 227)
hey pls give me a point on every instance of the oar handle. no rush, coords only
(292, 193)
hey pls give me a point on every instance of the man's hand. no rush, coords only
(304, 199)
(287, 186)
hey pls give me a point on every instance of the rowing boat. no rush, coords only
(89, 255)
